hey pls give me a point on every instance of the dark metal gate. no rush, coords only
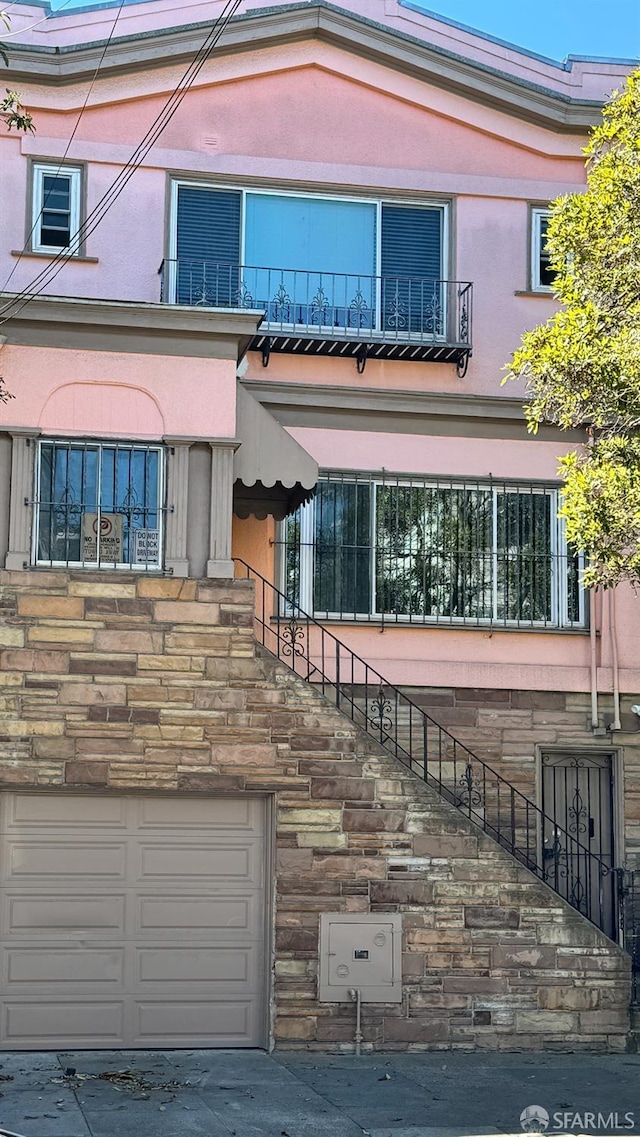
(578, 833)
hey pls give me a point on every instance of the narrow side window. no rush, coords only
(542, 275)
(55, 219)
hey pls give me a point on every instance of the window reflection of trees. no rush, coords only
(476, 552)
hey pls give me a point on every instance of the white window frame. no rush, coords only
(74, 173)
(538, 215)
(424, 203)
(559, 599)
(100, 443)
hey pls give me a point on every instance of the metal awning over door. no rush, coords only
(132, 920)
(273, 474)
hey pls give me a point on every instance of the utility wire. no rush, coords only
(68, 146)
(48, 274)
(10, 35)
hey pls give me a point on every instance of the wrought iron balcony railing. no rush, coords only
(536, 840)
(399, 317)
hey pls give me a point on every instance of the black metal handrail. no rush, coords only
(630, 906)
(403, 309)
(403, 729)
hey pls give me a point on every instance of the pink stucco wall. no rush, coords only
(431, 454)
(102, 393)
(309, 114)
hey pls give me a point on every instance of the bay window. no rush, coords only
(423, 551)
(99, 504)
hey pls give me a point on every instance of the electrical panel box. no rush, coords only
(362, 953)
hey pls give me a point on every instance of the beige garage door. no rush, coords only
(132, 921)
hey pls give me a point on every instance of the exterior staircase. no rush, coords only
(410, 735)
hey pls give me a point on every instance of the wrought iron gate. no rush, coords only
(578, 835)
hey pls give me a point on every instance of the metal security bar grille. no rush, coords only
(99, 505)
(432, 551)
(584, 879)
(577, 798)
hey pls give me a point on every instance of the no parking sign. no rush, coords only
(103, 531)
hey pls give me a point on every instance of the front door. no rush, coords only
(578, 837)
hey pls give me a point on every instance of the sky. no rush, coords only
(555, 28)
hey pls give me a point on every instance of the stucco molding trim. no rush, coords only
(30, 254)
(277, 27)
(149, 328)
(22, 467)
(400, 412)
(191, 440)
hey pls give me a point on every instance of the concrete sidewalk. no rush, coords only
(225, 1093)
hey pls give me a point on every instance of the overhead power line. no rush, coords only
(91, 222)
(11, 35)
(68, 146)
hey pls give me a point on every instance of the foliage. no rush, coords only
(582, 367)
(15, 116)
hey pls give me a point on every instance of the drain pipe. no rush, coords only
(616, 724)
(593, 631)
(356, 997)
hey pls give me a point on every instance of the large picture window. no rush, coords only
(99, 504)
(432, 551)
(311, 260)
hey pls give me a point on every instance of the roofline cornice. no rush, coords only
(535, 103)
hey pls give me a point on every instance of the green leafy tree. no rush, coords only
(582, 367)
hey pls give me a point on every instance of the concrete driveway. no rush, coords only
(225, 1093)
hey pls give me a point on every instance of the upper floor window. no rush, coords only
(328, 262)
(432, 551)
(56, 208)
(99, 504)
(542, 275)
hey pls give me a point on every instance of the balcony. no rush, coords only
(317, 313)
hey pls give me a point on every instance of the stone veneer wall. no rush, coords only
(507, 729)
(125, 683)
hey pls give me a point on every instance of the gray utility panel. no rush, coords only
(360, 953)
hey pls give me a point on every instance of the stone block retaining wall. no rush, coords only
(510, 729)
(143, 683)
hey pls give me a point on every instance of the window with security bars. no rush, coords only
(56, 208)
(432, 552)
(99, 504)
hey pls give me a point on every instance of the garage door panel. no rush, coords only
(132, 921)
(206, 861)
(63, 811)
(233, 965)
(215, 1020)
(24, 965)
(73, 860)
(40, 1022)
(237, 814)
(226, 915)
(61, 912)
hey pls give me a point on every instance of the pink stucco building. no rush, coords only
(282, 340)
